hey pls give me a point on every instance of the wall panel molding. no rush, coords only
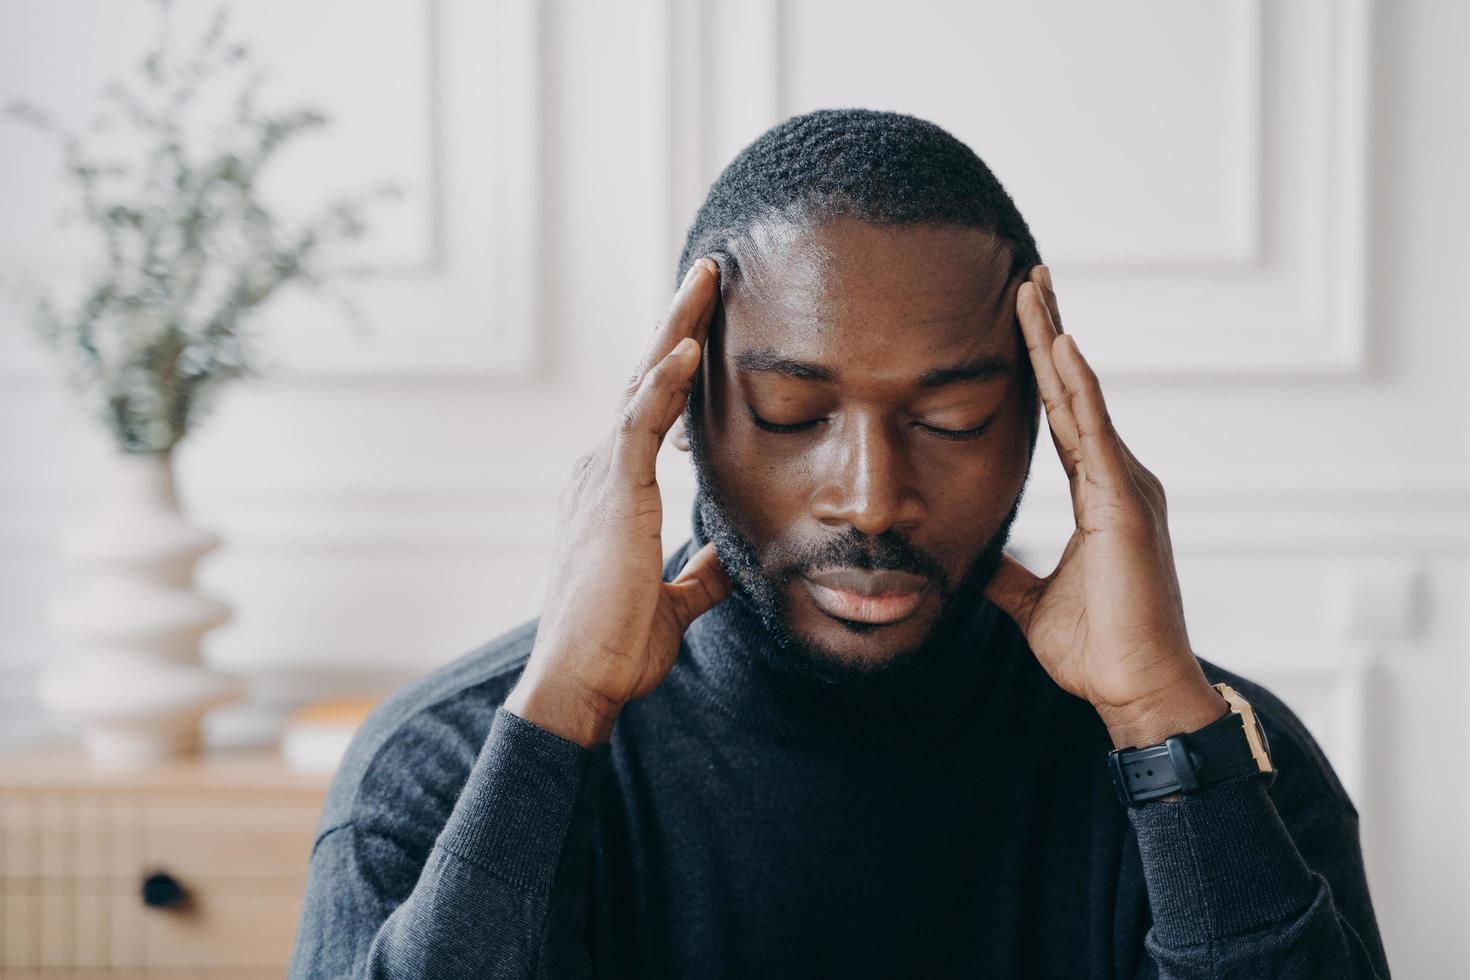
(1281, 295)
(469, 304)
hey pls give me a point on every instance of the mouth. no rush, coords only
(866, 597)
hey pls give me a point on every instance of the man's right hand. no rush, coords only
(610, 626)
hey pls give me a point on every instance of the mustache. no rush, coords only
(889, 551)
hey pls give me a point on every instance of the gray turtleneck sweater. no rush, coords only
(743, 823)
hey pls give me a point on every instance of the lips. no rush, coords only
(866, 597)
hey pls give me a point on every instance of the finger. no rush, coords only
(1040, 334)
(1103, 459)
(688, 315)
(700, 585)
(1014, 589)
(1041, 275)
(645, 420)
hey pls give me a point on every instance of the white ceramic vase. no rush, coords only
(131, 622)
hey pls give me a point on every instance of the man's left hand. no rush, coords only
(1108, 623)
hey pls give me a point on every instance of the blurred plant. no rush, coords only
(191, 249)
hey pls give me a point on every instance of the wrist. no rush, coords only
(1186, 709)
(563, 710)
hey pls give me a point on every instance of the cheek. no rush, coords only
(769, 488)
(762, 489)
(968, 498)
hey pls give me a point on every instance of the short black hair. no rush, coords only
(888, 168)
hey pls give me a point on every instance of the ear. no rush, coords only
(677, 435)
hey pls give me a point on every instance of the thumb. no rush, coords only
(1014, 589)
(700, 585)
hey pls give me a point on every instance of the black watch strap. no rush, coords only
(1183, 763)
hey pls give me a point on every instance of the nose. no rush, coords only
(868, 481)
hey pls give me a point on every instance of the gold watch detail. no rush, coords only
(1254, 733)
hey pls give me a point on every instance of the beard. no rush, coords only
(766, 588)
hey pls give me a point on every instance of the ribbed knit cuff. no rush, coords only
(1220, 862)
(514, 812)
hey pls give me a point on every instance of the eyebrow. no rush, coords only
(766, 360)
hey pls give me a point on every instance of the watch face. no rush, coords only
(1241, 706)
(1265, 743)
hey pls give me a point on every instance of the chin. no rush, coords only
(847, 646)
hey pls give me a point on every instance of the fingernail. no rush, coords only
(683, 347)
(1046, 278)
(689, 276)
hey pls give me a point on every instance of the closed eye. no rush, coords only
(958, 434)
(951, 434)
(779, 427)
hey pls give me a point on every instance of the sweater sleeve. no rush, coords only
(502, 892)
(1234, 892)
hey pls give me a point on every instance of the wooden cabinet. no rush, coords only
(222, 843)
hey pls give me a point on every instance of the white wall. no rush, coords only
(1255, 212)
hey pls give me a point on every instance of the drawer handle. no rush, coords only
(162, 890)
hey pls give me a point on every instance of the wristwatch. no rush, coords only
(1190, 761)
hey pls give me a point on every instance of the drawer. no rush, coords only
(227, 925)
(72, 865)
(223, 842)
(89, 837)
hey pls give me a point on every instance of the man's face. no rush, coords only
(861, 534)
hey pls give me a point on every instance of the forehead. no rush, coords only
(874, 299)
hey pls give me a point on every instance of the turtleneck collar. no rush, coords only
(733, 661)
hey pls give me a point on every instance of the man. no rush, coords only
(840, 732)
